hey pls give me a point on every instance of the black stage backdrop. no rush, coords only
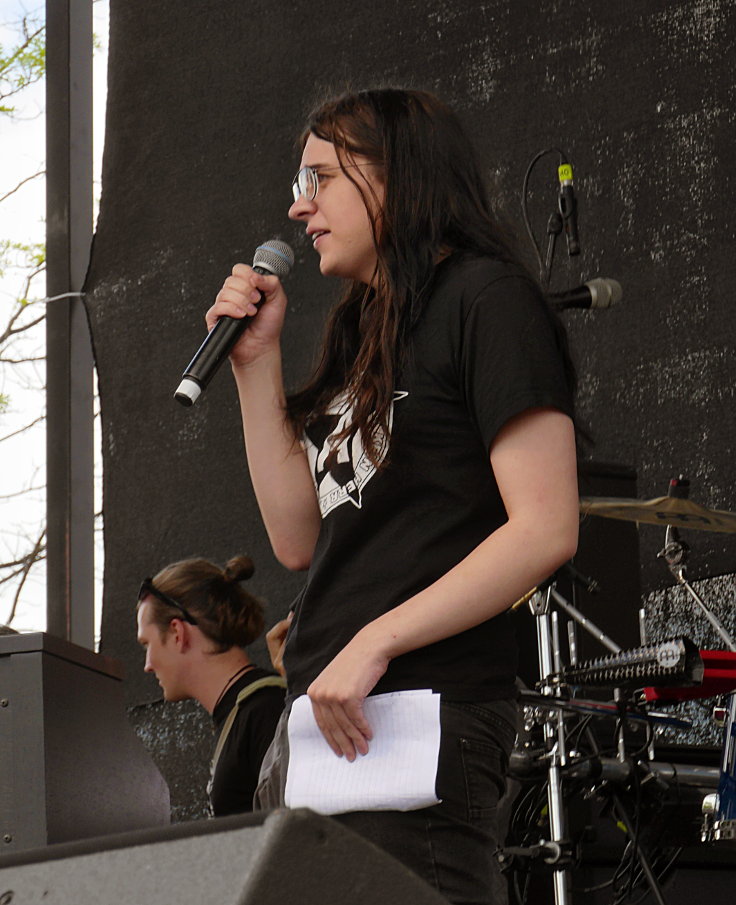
(204, 102)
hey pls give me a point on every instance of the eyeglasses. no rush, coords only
(306, 181)
(147, 587)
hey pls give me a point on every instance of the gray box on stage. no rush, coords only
(71, 766)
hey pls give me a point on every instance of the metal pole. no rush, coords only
(554, 737)
(69, 443)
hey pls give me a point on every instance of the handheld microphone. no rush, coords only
(274, 258)
(569, 209)
(597, 293)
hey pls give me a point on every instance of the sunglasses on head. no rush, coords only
(148, 587)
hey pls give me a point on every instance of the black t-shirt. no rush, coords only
(484, 350)
(236, 774)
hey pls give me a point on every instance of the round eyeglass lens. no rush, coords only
(305, 184)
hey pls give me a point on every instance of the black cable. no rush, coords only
(643, 861)
(597, 888)
(578, 730)
(662, 873)
(645, 747)
(525, 203)
(636, 823)
(521, 897)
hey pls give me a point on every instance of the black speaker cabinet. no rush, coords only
(71, 766)
(280, 857)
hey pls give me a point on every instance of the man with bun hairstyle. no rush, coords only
(195, 621)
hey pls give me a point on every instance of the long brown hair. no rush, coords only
(435, 203)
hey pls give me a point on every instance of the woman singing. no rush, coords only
(425, 476)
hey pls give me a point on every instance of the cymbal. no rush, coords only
(662, 510)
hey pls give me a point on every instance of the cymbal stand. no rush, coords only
(675, 554)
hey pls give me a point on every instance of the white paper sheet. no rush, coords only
(397, 774)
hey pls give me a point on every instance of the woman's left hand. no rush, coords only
(337, 696)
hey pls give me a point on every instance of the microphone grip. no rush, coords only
(211, 354)
(208, 358)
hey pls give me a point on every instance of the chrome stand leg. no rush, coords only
(554, 738)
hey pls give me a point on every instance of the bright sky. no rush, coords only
(22, 215)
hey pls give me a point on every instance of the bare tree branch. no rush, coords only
(11, 330)
(36, 554)
(29, 38)
(25, 68)
(21, 361)
(22, 430)
(13, 564)
(21, 184)
(22, 64)
(30, 277)
(20, 493)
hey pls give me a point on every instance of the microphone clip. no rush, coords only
(568, 209)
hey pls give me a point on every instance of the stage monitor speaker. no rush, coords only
(279, 857)
(71, 766)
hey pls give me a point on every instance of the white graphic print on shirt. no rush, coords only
(341, 471)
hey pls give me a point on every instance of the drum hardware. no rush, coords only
(719, 678)
(714, 828)
(549, 707)
(719, 808)
(602, 769)
(663, 510)
(540, 702)
(675, 669)
(559, 759)
(562, 854)
(720, 715)
(673, 511)
(677, 510)
(553, 734)
(673, 662)
(675, 553)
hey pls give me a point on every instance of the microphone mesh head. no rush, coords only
(604, 292)
(275, 256)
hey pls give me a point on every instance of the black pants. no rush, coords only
(450, 845)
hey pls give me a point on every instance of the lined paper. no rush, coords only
(397, 774)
